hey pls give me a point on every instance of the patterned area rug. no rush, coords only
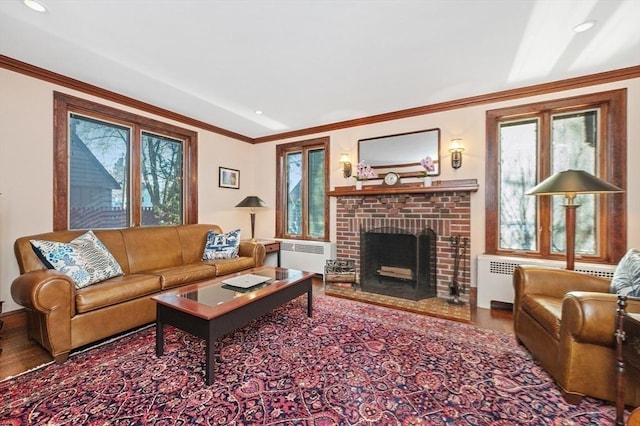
(351, 364)
(434, 306)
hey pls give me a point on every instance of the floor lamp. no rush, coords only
(570, 183)
(252, 201)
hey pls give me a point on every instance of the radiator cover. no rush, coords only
(310, 256)
(495, 275)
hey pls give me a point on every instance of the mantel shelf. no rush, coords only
(459, 185)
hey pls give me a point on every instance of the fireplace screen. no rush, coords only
(398, 263)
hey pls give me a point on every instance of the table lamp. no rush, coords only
(570, 183)
(252, 201)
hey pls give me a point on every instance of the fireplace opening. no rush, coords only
(398, 263)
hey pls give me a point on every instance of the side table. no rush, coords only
(271, 246)
(627, 353)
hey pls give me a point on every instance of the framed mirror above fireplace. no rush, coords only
(402, 151)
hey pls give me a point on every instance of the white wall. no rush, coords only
(26, 164)
(26, 169)
(469, 124)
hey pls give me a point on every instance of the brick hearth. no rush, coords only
(448, 213)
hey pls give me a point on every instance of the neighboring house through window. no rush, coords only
(115, 169)
(525, 145)
(302, 206)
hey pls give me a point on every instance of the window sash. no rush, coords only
(576, 145)
(162, 180)
(518, 171)
(99, 173)
(294, 182)
(315, 193)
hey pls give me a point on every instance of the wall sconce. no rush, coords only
(455, 148)
(345, 161)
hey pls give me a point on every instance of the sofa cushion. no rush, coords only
(178, 275)
(116, 290)
(626, 278)
(85, 259)
(546, 310)
(230, 266)
(152, 247)
(221, 246)
(193, 238)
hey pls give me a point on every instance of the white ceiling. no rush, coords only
(306, 63)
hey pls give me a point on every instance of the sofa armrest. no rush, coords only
(50, 297)
(254, 250)
(44, 291)
(550, 282)
(590, 317)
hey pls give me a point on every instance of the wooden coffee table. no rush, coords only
(212, 309)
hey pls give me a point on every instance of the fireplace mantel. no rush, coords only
(459, 185)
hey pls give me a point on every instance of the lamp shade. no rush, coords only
(573, 182)
(456, 145)
(251, 201)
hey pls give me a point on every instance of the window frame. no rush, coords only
(65, 104)
(612, 164)
(281, 187)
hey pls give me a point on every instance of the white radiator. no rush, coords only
(495, 275)
(308, 256)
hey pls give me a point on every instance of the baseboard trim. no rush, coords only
(14, 319)
(503, 306)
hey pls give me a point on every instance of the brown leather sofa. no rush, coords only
(154, 259)
(567, 321)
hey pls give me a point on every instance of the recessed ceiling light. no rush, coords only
(585, 26)
(259, 112)
(35, 5)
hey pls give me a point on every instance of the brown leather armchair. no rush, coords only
(567, 321)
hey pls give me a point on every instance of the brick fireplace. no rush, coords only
(444, 208)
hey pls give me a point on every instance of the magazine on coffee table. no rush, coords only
(245, 281)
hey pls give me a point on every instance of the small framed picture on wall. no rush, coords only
(228, 178)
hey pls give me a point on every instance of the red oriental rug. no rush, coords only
(351, 364)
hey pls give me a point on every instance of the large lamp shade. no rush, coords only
(570, 183)
(252, 202)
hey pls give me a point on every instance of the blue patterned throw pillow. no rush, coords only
(85, 259)
(626, 278)
(221, 246)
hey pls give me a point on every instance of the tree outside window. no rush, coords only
(162, 179)
(123, 170)
(99, 176)
(527, 144)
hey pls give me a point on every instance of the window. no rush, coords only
(302, 210)
(114, 169)
(525, 145)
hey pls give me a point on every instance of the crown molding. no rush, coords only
(505, 95)
(537, 89)
(71, 83)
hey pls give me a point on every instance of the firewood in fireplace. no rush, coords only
(394, 272)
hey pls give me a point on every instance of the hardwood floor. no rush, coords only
(21, 354)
